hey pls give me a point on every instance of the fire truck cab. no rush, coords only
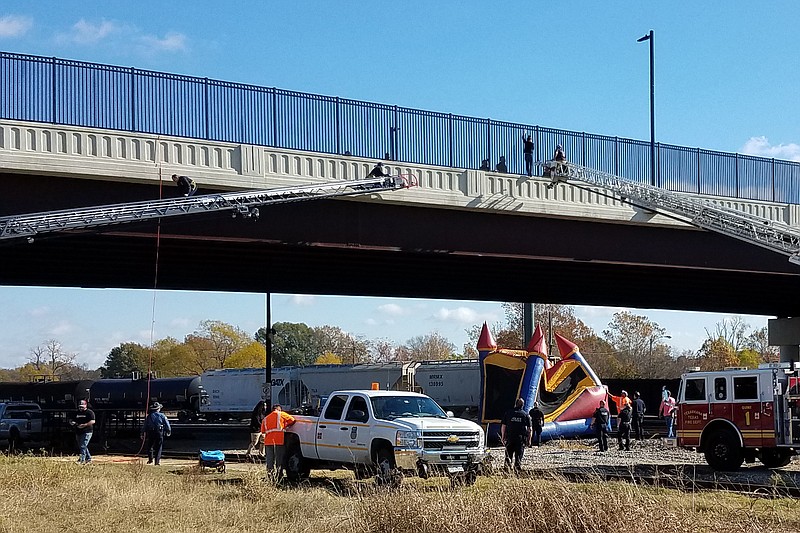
(737, 415)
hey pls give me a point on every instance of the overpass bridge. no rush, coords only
(462, 233)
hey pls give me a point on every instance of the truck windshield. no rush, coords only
(391, 407)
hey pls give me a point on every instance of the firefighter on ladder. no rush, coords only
(273, 427)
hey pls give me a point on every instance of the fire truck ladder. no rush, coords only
(243, 204)
(698, 212)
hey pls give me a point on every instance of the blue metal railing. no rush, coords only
(77, 93)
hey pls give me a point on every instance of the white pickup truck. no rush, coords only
(20, 423)
(386, 434)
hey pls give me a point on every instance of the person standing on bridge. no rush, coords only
(155, 428)
(273, 428)
(527, 150)
(186, 185)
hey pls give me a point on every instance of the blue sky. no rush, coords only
(726, 79)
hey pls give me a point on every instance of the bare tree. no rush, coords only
(50, 359)
(731, 330)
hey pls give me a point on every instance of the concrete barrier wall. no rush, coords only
(41, 149)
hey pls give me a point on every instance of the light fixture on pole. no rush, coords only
(650, 37)
(652, 340)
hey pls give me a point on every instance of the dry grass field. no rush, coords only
(48, 495)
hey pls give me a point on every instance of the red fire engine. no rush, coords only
(737, 415)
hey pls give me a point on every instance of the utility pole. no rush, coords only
(651, 37)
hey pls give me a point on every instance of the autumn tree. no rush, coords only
(716, 354)
(215, 342)
(253, 355)
(328, 358)
(758, 341)
(432, 346)
(731, 330)
(640, 352)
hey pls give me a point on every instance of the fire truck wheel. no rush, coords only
(775, 457)
(723, 451)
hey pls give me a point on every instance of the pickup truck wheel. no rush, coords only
(388, 475)
(723, 451)
(14, 440)
(775, 457)
(464, 479)
(297, 468)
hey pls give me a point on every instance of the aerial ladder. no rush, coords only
(699, 212)
(240, 204)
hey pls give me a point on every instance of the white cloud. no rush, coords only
(760, 146)
(464, 315)
(61, 328)
(14, 25)
(179, 322)
(392, 310)
(172, 42)
(302, 300)
(39, 311)
(84, 32)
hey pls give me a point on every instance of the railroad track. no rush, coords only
(685, 478)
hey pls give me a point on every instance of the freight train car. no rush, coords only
(233, 392)
(455, 385)
(321, 380)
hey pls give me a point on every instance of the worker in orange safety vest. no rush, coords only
(273, 427)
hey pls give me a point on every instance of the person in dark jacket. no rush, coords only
(637, 415)
(256, 437)
(155, 428)
(515, 433)
(186, 185)
(527, 150)
(537, 423)
(377, 172)
(624, 428)
(600, 421)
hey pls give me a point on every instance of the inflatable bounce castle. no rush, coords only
(568, 391)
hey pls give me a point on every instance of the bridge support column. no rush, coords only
(785, 332)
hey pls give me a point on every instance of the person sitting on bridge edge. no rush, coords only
(515, 434)
(527, 150)
(155, 428)
(186, 185)
(484, 165)
(501, 165)
(377, 172)
(557, 168)
(273, 428)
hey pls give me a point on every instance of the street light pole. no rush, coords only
(650, 37)
(650, 352)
